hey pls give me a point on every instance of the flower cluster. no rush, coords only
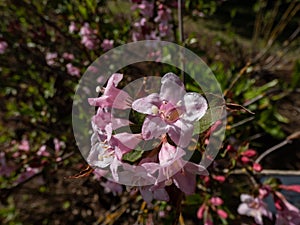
(88, 36)
(155, 21)
(170, 115)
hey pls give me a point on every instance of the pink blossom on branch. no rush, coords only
(50, 58)
(72, 27)
(286, 212)
(68, 56)
(254, 207)
(107, 44)
(173, 169)
(3, 47)
(24, 146)
(112, 96)
(73, 70)
(88, 37)
(171, 111)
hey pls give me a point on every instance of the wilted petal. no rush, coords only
(181, 133)
(172, 89)
(147, 105)
(195, 106)
(153, 127)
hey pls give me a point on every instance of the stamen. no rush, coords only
(154, 110)
(168, 182)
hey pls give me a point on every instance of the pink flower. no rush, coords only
(173, 169)
(73, 70)
(112, 96)
(172, 111)
(105, 153)
(163, 14)
(3, 47)
(72, 27)
(43, 152)
(216, 201)
(88, 37)
(107, 44)
(286, 212)
(146, 8)
(24, 146)
(68, 56)
(50, 58)
(253, 207)
(104, 122)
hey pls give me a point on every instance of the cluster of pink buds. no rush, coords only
(168, 125)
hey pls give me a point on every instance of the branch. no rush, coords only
(288, 140)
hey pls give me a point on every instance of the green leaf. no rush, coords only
(83, 11)
(211, 116)
(133, 156)
(253, 92)
(194, 199)
(296, 75)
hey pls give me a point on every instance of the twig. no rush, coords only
(181, 38)
(288, 140)
(242, 72)
(268, 172)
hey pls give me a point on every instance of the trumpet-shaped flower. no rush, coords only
(286, 212)
(112, 96)
(173, 169)
(254, 207)
(171, 111)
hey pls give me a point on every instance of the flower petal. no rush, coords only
(181, 133)
(195, 106)
(161, 195)
(113, 81)
(147, 104)
(153, 127)
(172, 89)
(185, 181)
(195, 168)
